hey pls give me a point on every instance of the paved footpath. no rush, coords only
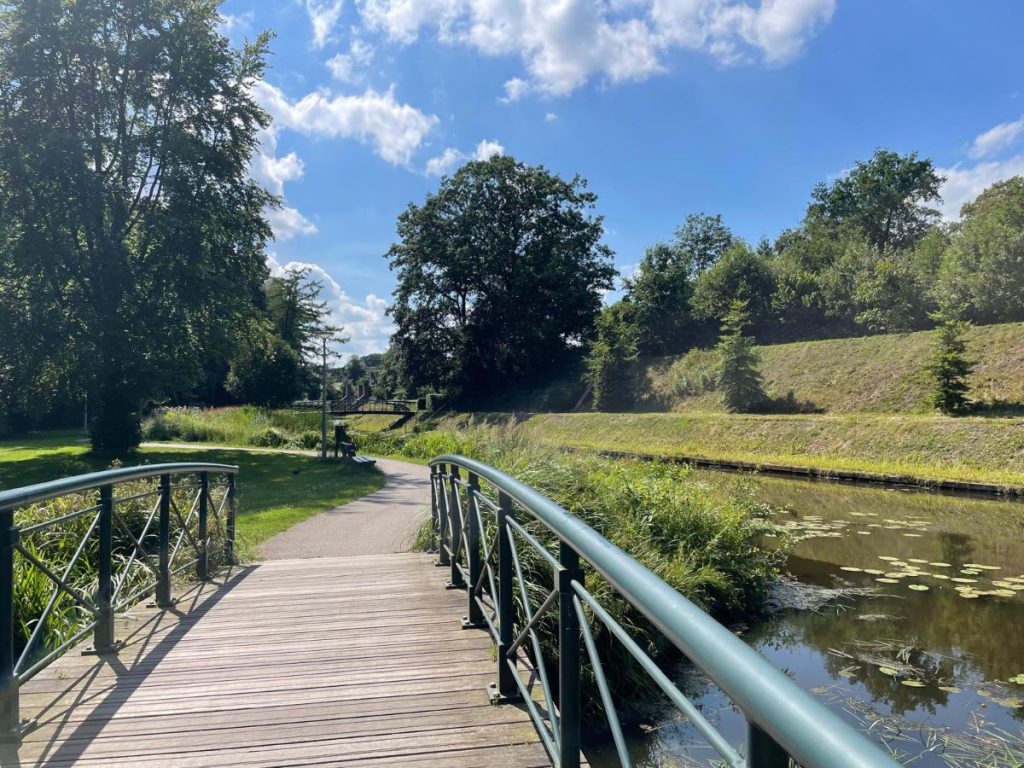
(383, 522)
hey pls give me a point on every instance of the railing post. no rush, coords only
(474, 617)
(568, 658)
(455, 581)
(163, 584)
(442, 518)
(103, 635)
(203, 563)
(10, 719)
(505, 688)
(433, 506)
(763, 751)
(229, 535)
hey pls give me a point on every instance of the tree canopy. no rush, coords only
(132, 232)
(500, 276)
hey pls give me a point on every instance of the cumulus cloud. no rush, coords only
(565, 44)
(451, 157)
(550, 117)
(964, 183)
(231, 24)
(365, 323)
(350, 67)
(324, 17)
(288, 222)
(395, 130)
(272, 172)
(996, 139)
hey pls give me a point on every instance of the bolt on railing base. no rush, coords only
(497, 698)
(449, 585)
(467, 624)
(105, 650)
(162, 605)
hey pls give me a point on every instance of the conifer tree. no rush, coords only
(949, 367)
(739, 376)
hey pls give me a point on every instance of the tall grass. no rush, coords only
(235, 425)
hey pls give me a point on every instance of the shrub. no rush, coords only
(949, 367)
(308, 440)
(269, 438)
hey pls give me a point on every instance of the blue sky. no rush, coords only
(667, 107)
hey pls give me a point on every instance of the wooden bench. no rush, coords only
(348, 451)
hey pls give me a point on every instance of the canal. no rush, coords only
(903, 611)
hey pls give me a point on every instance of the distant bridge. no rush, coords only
(350, 406)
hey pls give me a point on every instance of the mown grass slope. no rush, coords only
(924, 447)
(870, 374)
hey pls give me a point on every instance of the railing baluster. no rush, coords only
(455, 581)
(442, 517)
(163, 583)
(229, 533)
(475, 616)
(505, 689)
(203, 565)
(103, 635)
(568, 657)
(9, 715)
(433, 507)
(763, 751)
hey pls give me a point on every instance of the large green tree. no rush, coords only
(704, 239)
(886, 198)
(126, 131)
(984, 266)
(657, 300)
(500, 277)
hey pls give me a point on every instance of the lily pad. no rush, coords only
(850, 568)
(889, 671)
(940, 565)
(915, 560)
(876, 572)
(912, 683)
(884, 580)
(949, 688)
(888, 557)
(917, 587)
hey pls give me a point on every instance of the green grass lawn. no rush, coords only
(275, 491)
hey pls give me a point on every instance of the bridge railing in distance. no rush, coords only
(74, 552)
(482, 519)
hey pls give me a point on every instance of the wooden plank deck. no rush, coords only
(332, 661)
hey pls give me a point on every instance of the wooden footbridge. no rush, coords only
(363, 660)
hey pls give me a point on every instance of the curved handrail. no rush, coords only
(32, 494)
(809, 732)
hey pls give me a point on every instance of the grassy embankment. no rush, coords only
(275, 491)
(871, 374)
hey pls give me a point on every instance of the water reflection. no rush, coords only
(927, 671)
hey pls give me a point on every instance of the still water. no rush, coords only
(911, 626)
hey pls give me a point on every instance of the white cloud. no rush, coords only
(350, 67)
(451, 157)
(365, 323)
(515, 89)
(288, 223)
(566, 43)
(962, 184)
(487, 149)
(443, 163)
(324, 17)
(395, 130)
(550, 117)
(996, 139)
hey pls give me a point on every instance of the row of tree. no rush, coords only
(501, 275)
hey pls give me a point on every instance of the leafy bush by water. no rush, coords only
(236, 425)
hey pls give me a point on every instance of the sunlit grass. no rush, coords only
(275, 490)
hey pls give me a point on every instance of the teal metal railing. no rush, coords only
(99, 553)
(482, 518)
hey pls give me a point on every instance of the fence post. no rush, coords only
(203, 563)
(10, 719)
(474, 617)
(163, 584)
(103, 635)
(455, 581)
(763, 751)
(442, 518)
(568, 658)
(505, 689)
(229, 534)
